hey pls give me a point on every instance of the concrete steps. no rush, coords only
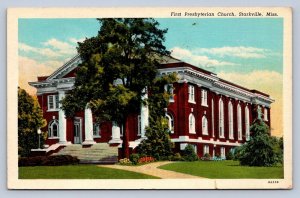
(100, 153)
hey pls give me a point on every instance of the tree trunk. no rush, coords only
(125, 144)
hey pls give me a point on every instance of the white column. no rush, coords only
(62, 121)
(88, 127)
(144, 115)
(115, 133)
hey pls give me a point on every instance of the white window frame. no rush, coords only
(247, 123)
(192, 124)
(96, 130)
(265, 114)
(170, 119)
(50, 129)
(230, 116)
(239, 121)
(54, 100)
(204, 98)
(204, 125)
(170, 89)
(191, 93)
(221, 118)
(205, 149)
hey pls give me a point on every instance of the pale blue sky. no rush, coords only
(217, 44)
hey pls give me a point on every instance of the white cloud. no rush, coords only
(199, 60)
(74, 40)
(240, 52)
(269, 82)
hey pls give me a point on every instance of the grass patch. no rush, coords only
(78, 172)
(224, 170)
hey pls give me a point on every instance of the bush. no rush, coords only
(230, 155)
(189, 153)
(134, 158)
(125, 161)
(206, 157)
(177, 157)
(54, 160)
(146, 159)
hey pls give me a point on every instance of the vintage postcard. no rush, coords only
(149, 98)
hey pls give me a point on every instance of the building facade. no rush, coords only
(208, 112)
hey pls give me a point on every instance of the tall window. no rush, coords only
(247, 123)
(212, 117)
(170, 89)
(191, 93)
(53, 129)
(223, 155)
(192, 125)
(265, 114)
(221, 118)
(139, 125)
(205, 149)
(230, 115)
(96, 129)
(53, 102)
(239, 119)
(204, 126)
(204, 97)
(170, 122)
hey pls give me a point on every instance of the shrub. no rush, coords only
(134, 158)
(54, 160)
(230, 155)
(146, 159)
(206, 157)
(189, 153)
(125, 161)
(177, 157)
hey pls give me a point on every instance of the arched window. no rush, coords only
(170, 122)
(53, 129)
(192, 125)
(221, 118)
(230, 115)
(247, 123)
(239, 117)
(204, 126)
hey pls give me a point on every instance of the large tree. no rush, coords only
(261, 149)
(30, 119)
(118, 67)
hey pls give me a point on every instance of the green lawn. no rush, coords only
(224, 170)
(77, 172)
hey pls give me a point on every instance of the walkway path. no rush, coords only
(152, 169)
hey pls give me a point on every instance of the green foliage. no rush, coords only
(189, 153)
(260, 150)
(117, 67)
(55, 160)
(158, 143)
(134, 158)
(30, 119)
(177, 157)
(229, 155)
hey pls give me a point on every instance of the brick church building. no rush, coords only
(212, 114)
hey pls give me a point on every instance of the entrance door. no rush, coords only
(77, 131)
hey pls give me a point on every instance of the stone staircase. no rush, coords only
(100, 153)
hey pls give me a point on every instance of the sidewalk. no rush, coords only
(151, 169)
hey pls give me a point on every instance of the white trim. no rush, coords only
(221, 118)
(204, 125)
(213, 117)
(247, 123)
(230, 118)
(239, 122)
(50, 129)
(204, 98)
(170, 119)
(191, 94)
(200, 140)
